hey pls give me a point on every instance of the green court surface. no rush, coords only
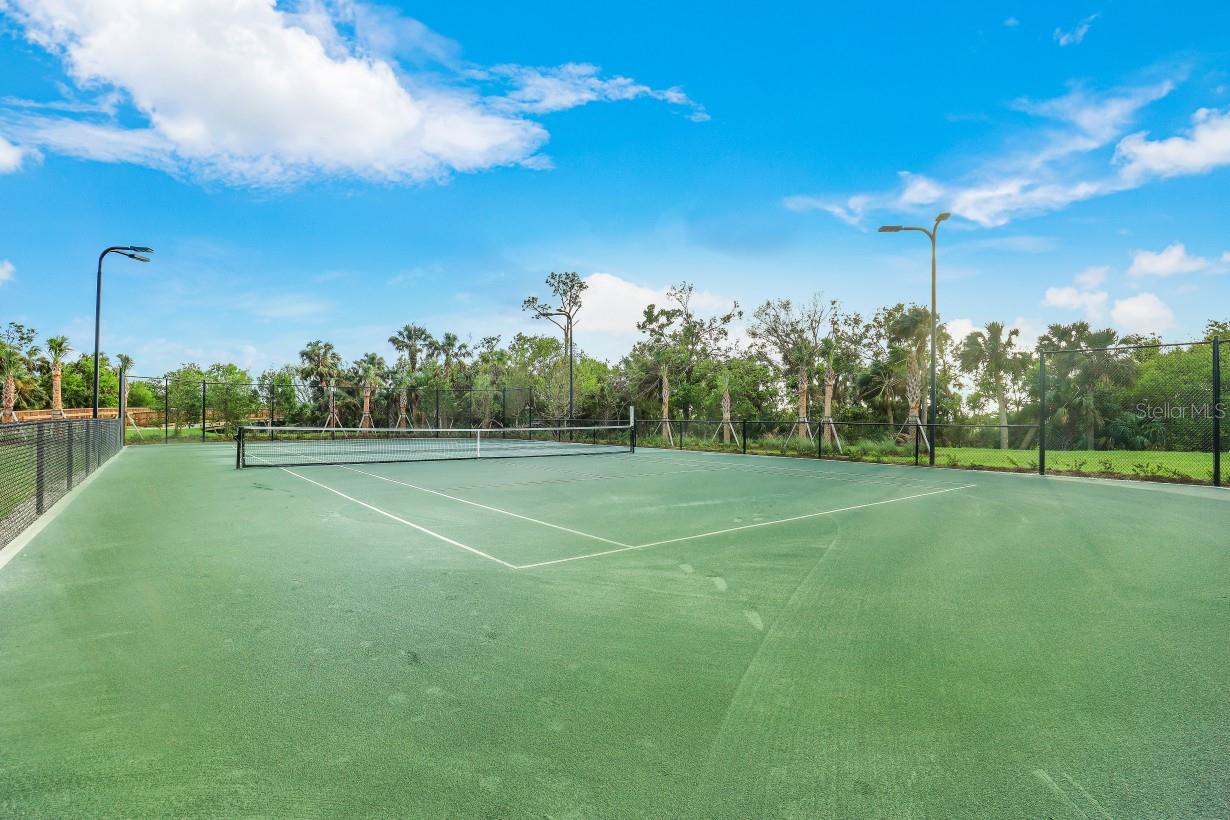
(657, 634)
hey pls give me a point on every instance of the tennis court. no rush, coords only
(651, 633)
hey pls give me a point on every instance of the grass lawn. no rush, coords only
(1182, 466)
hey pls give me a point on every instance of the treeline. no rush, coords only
(811, 359)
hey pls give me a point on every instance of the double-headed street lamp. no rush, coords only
(132, 252)
(930, 235)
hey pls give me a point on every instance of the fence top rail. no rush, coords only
(815, 421)
(1161, 346)
(42, 422)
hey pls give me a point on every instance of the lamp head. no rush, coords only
(942, 217)
(140, 249)
(889, 228)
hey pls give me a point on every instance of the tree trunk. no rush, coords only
(1003, 419)
(666, 403)
(804, 383)
(57, 403)
(913, 394)
(727, 424)
(10, 400)
(830, 384)
(401, 410)
(365, 423)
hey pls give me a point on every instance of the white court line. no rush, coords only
(737, 529)
(485, 507)
(410, 524)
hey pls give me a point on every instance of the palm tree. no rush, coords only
(1087, 368)
(57, 347)
(449, 348)
(879, 382)
(12, 368)
(370, 375)
(322, 364)
(990, 354)
(413, 341)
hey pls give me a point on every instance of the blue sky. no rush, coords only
(334, 169)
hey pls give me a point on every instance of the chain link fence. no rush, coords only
(41, 461)
(163, 410)
(1150, 412)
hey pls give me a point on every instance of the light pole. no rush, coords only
(931, 409)
(132, 252)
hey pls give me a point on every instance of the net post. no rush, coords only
(203, 402)
(239, 448)
(1041, 412)
(1217, 411)
(632, 428)
(478, 443)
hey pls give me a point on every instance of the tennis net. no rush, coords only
(299, 446)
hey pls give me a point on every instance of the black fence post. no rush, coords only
(743, 425)
(166, 409)
(122, 418)
(40, 466)
(437, 409)
(203, 402)
(917, 437)
(1217, 411)
(1041, 412)
(71, 428)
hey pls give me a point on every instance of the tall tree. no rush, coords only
(368, 373)
(322, 364)
(20, 378)
(57, 349)
(568, 289)
(679, 341)
(452, 352)
(990, 355)
(790, 339)
(412, 341)
(12, 368)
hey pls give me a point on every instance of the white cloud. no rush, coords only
(1030, 330)
(6, 271)
(1093, 303)
(11, 156)
(255, 94)
(1090, 278)
(1077, 34)
(1171, 261)
(1059, 161)
(958, 329)
(918, 190)
(1143, 313)
(543, 90)
(1205, 147)
(1225, 257)
(851, 211)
